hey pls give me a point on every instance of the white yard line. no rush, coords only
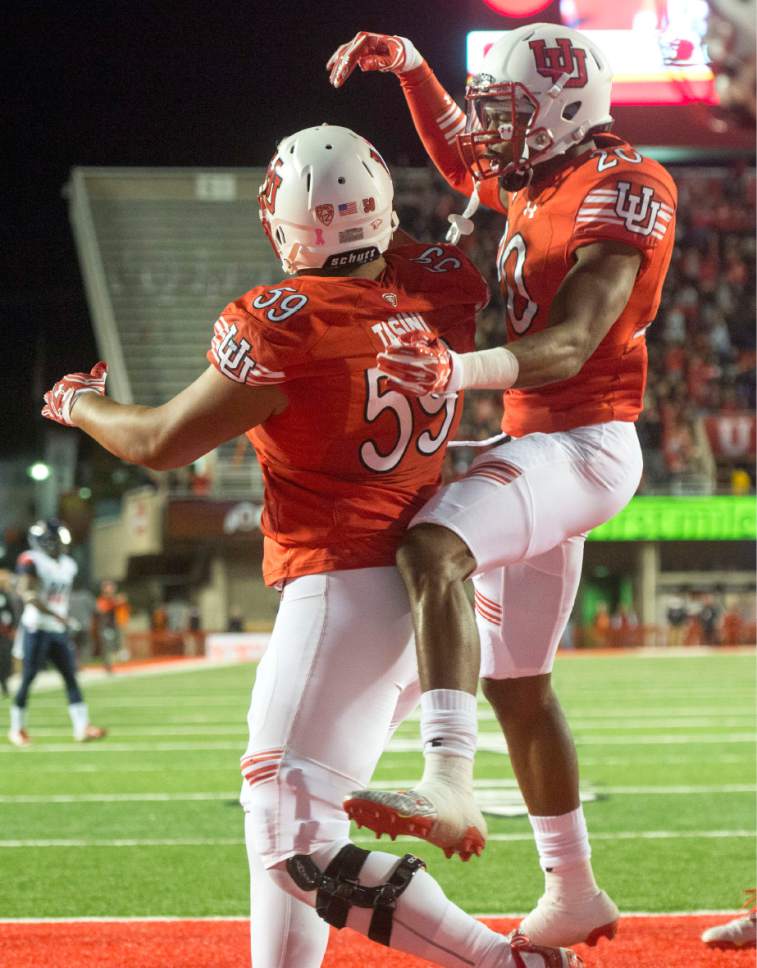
(237, 726)
(235, 729)
(480, 784)
(485, 713)
(19, 766)
(487, 742)
(362, 839)
(90, 749)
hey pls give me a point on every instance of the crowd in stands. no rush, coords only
(701, 345)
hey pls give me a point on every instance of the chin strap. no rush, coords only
(462, 224)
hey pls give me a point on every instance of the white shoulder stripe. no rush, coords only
(601, 220)
(446, 115)
(454, 132)
(453, 121)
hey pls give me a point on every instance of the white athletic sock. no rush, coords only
(564, 852)
(18, 718)
(561, 840)
(426, 923)
(573, 881)
(448, 771)
(79, 718)
(449, 722)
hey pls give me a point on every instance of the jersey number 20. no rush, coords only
(511, 264)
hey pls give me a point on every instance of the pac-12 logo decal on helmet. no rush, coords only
(325, 214)
(564, 59)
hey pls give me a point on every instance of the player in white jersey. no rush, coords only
(46, 576)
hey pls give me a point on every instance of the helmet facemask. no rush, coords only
(502, 137)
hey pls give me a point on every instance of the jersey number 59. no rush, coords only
(426, 442)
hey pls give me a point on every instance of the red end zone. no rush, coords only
(641, 942)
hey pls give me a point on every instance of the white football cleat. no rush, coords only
(91, 733)
(526, 954)
(451, 820)
(561, 921)
(19, 737)
(739, 933)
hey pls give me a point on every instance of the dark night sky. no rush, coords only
(177, 83)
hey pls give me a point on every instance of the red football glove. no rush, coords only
(421, 364)
(60, 400)
(372, 52)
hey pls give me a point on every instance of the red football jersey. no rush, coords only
(610, 193)
(349, 462)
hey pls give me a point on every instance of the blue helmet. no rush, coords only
(50, 536)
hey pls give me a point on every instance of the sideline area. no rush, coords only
(643, 941)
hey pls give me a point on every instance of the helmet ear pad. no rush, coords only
(327, 192)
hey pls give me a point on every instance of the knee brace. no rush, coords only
(338, 888)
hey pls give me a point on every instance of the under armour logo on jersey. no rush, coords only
(530, 210)
(564, 59)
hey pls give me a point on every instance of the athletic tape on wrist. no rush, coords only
(495, 369)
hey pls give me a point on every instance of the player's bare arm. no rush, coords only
(590, 299)
(204, 415)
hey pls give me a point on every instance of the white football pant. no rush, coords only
(523, 509)
(338, 676)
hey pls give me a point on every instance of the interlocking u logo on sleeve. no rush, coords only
(639, 212)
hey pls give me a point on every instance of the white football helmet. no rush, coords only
(543, 89)
(50, 536)
(327, 200)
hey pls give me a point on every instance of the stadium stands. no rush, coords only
(162, 251)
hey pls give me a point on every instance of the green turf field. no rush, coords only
(146, 823)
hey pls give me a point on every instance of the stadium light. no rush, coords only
(517, 8)
(39, 471)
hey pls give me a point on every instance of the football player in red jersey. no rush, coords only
(585, 250)
(347, 462)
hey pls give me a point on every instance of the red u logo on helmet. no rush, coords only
(564, 59)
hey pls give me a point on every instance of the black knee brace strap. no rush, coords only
(339, 889)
